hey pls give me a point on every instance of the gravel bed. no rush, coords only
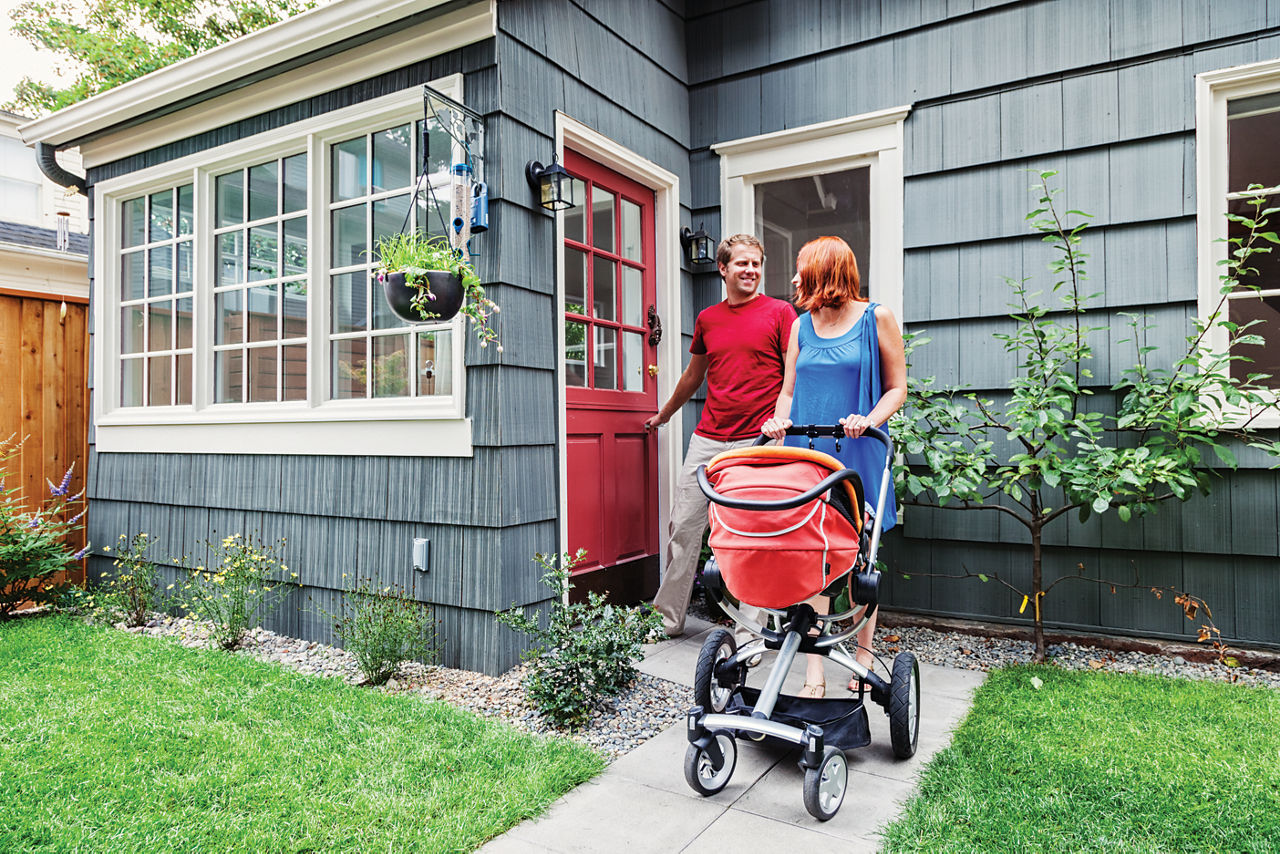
(621, 724)
(971, 652)
(617, 726)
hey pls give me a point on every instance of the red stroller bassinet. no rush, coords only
(783, 557)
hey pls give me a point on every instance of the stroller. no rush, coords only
(787, 524)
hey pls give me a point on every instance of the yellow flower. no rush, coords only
(170, 587)
(106, 548)
(283, 567)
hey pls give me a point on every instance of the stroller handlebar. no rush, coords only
(783, 504)
(814, 431)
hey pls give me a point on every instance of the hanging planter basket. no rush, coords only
(445, 300)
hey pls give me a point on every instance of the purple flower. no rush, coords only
(80, 554)
(34, 523)
(62, 488)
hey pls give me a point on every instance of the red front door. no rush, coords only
(610, 369)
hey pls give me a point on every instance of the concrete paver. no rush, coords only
(642, 804)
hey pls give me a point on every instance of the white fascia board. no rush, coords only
(280, 42)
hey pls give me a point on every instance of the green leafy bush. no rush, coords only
(382, 627)
(33, 543)
(585, 652)
(241, 585)
(130, 595)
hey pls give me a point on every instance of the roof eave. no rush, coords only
(311, 31)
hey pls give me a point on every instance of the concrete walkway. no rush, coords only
(642, 803)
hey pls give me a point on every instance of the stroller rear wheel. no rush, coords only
(710, 691)
(700, 770)
(824, 786)
(904, 705)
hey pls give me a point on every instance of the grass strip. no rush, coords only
(1102, 762)
(113, 742)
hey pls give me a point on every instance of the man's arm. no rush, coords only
(688, 383)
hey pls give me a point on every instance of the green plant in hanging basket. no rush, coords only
(424, 278)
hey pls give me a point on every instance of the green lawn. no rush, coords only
(116, 742)
(1102, 762)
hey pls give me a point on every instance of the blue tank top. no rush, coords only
(836, 377)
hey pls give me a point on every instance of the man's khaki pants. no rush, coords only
(688, 522)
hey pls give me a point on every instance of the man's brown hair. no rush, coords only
(725, 250)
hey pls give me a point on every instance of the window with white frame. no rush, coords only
(156, 298)
(260, 282)
(243, 292)
(1237, 134)
(840, 177)
(373, 353)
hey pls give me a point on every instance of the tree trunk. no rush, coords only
(1037, 585)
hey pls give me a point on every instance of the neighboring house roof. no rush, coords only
(16, 234)
(283, 46)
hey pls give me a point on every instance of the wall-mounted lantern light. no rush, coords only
(553, 183)
(697, 245)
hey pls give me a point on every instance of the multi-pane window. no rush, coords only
(224, 300)
(1253, 134)
(156, 298)
(373, 353)
(260, 282)
(605, 319)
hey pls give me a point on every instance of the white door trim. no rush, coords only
(666, 218)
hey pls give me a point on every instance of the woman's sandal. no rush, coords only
(856, 684)
(813, 691)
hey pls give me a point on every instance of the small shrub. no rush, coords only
(33, 543)
(131, 594)
(585, 652)
(382, 627)
(241, 585)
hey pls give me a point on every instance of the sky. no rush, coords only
(18, 59)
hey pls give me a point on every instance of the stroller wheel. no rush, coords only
(904, 705)
(700, 771)
(710, 692)
(824, 786)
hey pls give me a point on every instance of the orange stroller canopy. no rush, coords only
(778, 557)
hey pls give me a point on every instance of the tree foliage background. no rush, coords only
(100, 44)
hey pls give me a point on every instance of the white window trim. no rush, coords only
(1213, 90)
(405, 427)
(871, 139)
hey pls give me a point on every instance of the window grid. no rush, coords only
(260, 282)
(373, 353)
(156, 298)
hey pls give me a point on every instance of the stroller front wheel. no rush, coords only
(904, 705)
(700, 771)
(712, 691)
(824, 786)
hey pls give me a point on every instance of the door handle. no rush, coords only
(655, 329)
(653, 370)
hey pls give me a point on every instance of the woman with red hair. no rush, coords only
(844, 364)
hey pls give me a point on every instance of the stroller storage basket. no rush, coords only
(788, 554)
(843, 720)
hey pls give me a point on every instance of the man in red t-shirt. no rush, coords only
(739, 346)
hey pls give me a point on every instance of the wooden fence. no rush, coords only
(44, 390)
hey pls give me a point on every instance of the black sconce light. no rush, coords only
(553, 183)
(697, 245)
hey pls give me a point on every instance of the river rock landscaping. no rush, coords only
(619, 725)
